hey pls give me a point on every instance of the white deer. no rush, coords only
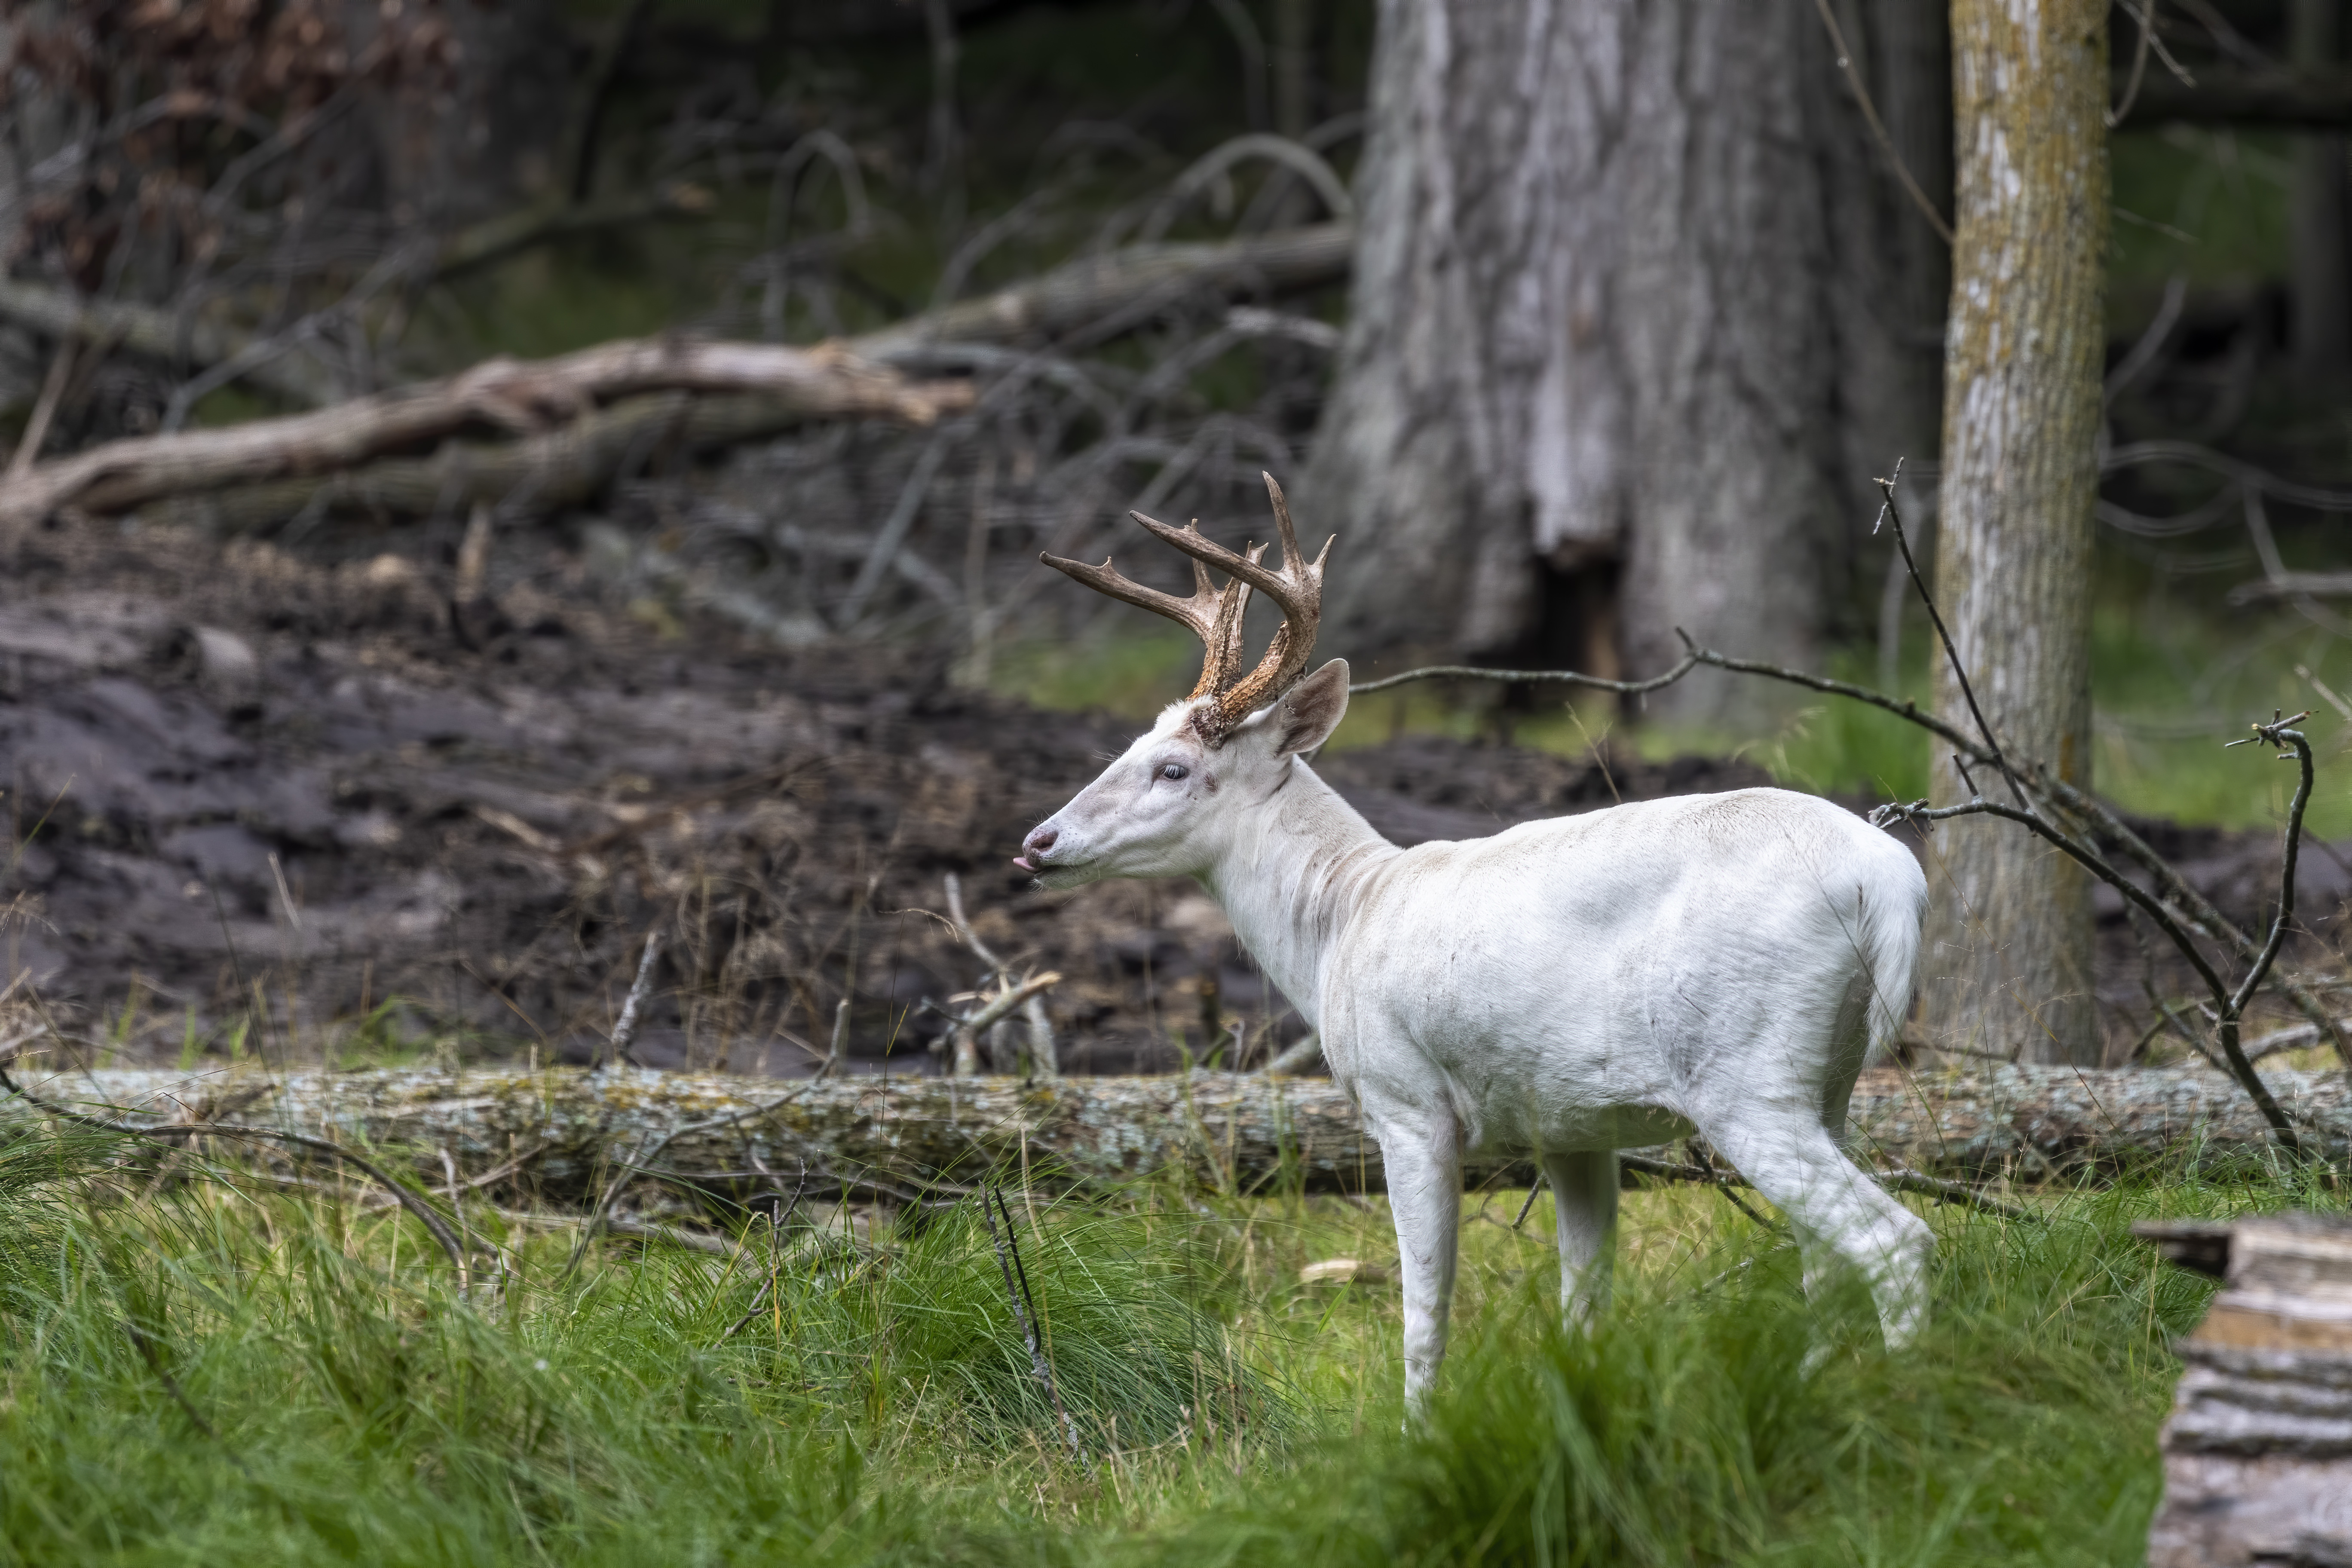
(1718, 964)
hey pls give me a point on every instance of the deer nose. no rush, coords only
(1041, 840)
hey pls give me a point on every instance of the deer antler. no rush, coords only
(1215, 614)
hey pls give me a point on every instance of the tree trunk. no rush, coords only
(1602, 333)
(1240, 1132)
(2323, 258)
(467, 103)
(2008, 965)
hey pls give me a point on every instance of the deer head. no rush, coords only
(1156, 811)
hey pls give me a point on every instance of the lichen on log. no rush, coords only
(1221, 1130)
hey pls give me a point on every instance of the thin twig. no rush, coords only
(643, 1159)
(1715, 1179)
(426, 1215)
(1024, 1309)
(2145, 15)
(1877, 127)
(625, 1028)
(45, 408)
(1569, 677)
(1903, 1179)
(778, 1218)
(837, 1055)
(1892, 514)
(145, 1345)
(1900, 1177)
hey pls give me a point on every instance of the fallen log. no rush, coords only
(1098, 297)
(156, 334)
(560, 468)
(519, 397)
(1227, 1131)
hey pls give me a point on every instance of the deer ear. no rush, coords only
(1311, 710)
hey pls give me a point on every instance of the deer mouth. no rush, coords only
(1054, 873)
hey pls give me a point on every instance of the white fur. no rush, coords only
(1720, 964)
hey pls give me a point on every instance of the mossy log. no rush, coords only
(1221, 1130)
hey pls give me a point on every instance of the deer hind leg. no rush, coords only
(1584, 1199)
(1421, 1153)
(1793, 1161)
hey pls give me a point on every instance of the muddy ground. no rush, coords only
(299, 802)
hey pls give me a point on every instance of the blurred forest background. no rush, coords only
(443, 731)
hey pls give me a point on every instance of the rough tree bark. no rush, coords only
(2008, 959)
(1240, 1132)
(1606, 321)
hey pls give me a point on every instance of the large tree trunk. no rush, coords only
(2009, 945)
(1600, 335)
(1240, 1132)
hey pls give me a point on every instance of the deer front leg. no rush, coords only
(1421, 1151)
(1584, 1202)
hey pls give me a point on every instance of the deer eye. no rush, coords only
(1172, 772)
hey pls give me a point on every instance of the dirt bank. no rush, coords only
(311, 776)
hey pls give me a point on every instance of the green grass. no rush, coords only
(880, 1407)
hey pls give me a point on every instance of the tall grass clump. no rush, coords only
(215, 1371)
(1135, 1364)
(1719, 1417)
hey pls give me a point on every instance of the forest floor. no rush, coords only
(301, 801)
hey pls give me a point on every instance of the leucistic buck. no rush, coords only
(1717, 963)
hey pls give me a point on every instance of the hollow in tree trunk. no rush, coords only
(2010, 942)
(1629, 297)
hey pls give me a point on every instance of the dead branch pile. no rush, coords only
(1042, 438)
(1233, 1132)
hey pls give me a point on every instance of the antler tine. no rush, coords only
(1222, 666)
(1214, 614)
(1291, 556)
(1202, 612)
(1200, 547)
(1298, 589)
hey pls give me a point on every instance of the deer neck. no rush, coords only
(1292, 875)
